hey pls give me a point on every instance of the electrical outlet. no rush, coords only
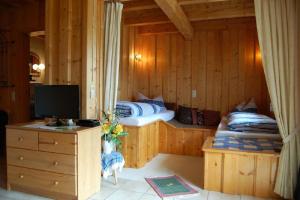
(194, 93)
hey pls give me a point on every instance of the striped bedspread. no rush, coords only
(251, 122)
(247, 144)
(136, 109)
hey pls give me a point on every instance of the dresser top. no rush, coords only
(41, 126)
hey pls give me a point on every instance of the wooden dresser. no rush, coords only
(61, 164)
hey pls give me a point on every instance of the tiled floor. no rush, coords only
(132, 185)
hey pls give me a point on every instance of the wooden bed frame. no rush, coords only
(141, 144)
(239, 172)
(145, 142)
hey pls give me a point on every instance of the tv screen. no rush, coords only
(59, 101)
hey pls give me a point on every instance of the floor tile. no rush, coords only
(244, 197)
(151, 191)
(132, 185)
(136, 186)
(150, 197)
(110, 182)
(103, 194)
(222, 196)
(125, 194)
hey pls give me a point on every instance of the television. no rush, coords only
(57, 101)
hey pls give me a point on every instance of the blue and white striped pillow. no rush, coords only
(156, 101)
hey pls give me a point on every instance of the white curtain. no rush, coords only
(278, 34)
(112, 53)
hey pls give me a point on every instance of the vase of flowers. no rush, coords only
(112, 131)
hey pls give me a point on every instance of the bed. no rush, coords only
(141, 121)
(155, 133)
(166, 115)
(233, 169)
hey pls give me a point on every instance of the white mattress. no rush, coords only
(141, 121)
(223, 131)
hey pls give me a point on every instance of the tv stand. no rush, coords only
(60, 164)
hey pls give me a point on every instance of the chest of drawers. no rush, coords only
(56, 164)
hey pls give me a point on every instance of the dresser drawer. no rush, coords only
(47, 181)
(58, 143)
(22, 139)
(42, 160)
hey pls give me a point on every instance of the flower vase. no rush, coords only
(107, 147)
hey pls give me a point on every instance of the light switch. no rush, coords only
(194, 93)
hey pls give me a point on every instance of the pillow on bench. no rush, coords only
(187, 115)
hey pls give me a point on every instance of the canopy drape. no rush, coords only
(112, 36)
(278, 34)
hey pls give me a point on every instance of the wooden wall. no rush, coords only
(221, 63)
(74, 32)
(18, 22)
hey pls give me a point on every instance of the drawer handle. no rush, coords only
(55, 143)
(55, 183)
(20, 139)
(21, 176)
(21, 158)
(55, 163)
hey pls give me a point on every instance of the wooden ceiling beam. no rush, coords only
(202, 12)
(197, 12)
(191, 2)
(177, 16)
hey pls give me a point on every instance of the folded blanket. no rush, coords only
(247, 144)
(136, 109)
(251, 122)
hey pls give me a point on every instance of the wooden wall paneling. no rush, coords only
(213, 72)
(151, 66)
(74, 35)
(172, 72)
(128, 63)
(164, 63)
(244, 61)
(51, 28)
(219, 63)
(234, 69)
(226, 62)
(124, 63)
(17, 22)
(64, 47)
(161, 64)
(251, 75)
(20, 95)
(199, 68)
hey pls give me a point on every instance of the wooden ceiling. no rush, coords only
(182, 12)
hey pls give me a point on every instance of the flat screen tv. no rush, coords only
(57, 101)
